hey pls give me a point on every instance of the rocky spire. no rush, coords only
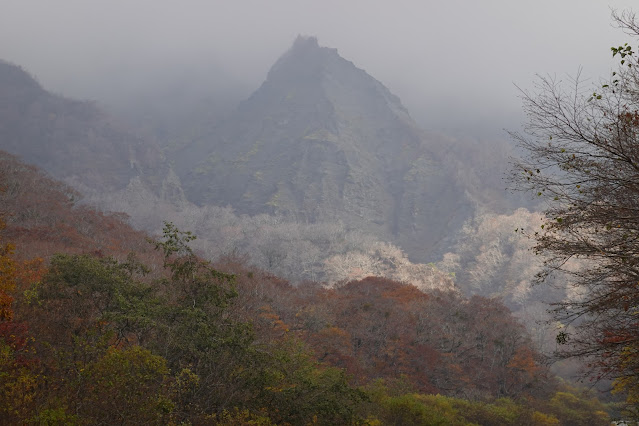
(322, 140)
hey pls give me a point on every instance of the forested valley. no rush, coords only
(101, 324)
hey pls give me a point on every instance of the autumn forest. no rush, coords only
(101, 324)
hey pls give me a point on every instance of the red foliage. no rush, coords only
(441, 343)
(43, 218)
(16, 336)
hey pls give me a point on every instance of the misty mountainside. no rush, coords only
(77, 142)
(320, 175)
(323, 141)
(118, 171)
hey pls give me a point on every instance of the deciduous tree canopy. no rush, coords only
(93, 335)
(582, 145)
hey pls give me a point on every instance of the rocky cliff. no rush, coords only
(321, 140)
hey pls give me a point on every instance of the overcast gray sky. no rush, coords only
(453, 63)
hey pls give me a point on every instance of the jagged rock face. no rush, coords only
(74, 140)
(322, 140)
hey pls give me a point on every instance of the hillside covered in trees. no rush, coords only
(100, 324)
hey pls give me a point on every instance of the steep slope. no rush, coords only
(76, 141)
(43, 217)
(320, 141)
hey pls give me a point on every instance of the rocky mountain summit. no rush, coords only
(321, 141)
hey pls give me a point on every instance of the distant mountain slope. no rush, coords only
(76, 141)
(320, 141)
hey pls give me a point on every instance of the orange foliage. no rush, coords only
(441, 343)
(7, 278)
(17, 387)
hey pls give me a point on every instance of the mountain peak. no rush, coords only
(305, 42)
(320, 72)
(305, 58)
(322, 141)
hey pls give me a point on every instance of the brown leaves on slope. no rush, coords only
(43, 217)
